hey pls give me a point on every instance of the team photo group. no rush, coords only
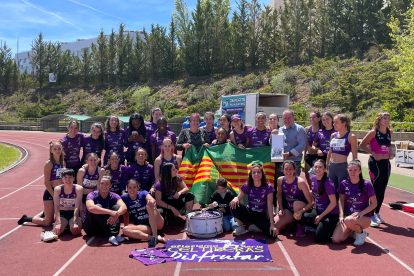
(130, 177)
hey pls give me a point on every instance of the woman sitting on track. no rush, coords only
(356, 202)
(103, 210)
(221, 137)
(325, 214)
(259, 210)
(89, 177)
(167, 156)
(53, 178)
(167, 195)
(138, 137)
(158, 137)
(72, 143)
(94, 142)
(141, 171)
(293, 198)
(238, 134)
(142, 210)
(115, 138)
(67, 199)
(116, 171)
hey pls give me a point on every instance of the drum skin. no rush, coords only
(207, 224)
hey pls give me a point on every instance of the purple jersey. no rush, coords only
(172, 160)
(151, 256)
(90, 182)
(323, 138)
(135, 144)
(117, 176)
(90, 145)
(341, 145)
(292, 193)
(143, 174)
(67, 200)
(240, 138)
(170, 195)
(355, 201)
(158, 138)
(153, 127)
(323, 201)
(311, 136)
(137, 208)
(114, 142)
(106, 203)
(72, 147)
(56, 172)
(211, 134)
(257, 196)
(258, 138)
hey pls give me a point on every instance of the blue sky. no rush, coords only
(67, 20)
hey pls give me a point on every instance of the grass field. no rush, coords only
(396, 180)
(8, 156)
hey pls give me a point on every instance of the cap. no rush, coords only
(235, 116)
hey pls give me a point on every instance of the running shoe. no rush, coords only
(48, 236)
(379, 219)
(360, 238)
(239, 231)
(120, 239)
(113, 240)
(374, 222)
(254, 228)
(301, 231)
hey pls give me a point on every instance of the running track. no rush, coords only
(388, 250)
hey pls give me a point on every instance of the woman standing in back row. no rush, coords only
(379, 140)
(115, 138)
(72, 143)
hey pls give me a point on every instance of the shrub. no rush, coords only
(217, 85)
(182, 91)
(232, 87)
(191, 87)
(178, 82)
(315, 87)
(193, 98)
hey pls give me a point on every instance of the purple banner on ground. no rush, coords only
(216, 250)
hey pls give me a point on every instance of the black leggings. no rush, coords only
(379, 171)
(324, 229)
(176, 203)
(97, 225)
(259, 219)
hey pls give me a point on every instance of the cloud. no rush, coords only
(51, 13)
(96, 9)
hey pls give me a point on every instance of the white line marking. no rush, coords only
(73, 257)
(11, 231)
(31, 143)
(405, 213)
(259, 268)
(8, 218)
(401, 189)
(392, 255)
(288, 259)
(178, 266)
(21, 187)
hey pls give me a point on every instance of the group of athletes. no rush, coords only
(138, 177)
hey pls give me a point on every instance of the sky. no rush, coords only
(68, 20)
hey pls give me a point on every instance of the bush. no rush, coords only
(193, 98)
(182, 91)
(191, 87)
(289, 76)
(178, 82)
(184, 97)
(315, 87)
(232, 87)
(281, 86)
(217, 85)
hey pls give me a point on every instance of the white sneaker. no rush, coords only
(239, 231)
(113, 240)
(120, 239)
(374, 222)
(379, 219)
(360, 238)
(254, 228)
(48, 236)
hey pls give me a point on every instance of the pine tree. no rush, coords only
(39, 59)
(100, 57)
(254, 32)
(86, 67)
(120, 49)
(241, 27)
(6, 66)
(112, 57)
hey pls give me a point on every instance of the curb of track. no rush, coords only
(23, 156)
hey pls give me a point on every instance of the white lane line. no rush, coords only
(405, 213)
(73, 257)
(8, 218)
(392, 255)
(401, 189)
(266, 267)
(18, 227)
(178, 266)
(31, 143)
(288, 259)
(22, 187)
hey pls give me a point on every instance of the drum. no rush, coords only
(205, 224)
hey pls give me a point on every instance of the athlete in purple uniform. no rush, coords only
(138, 137)
(259, 210)
(158, 136)
(72, 143)
(225, 121)
(238, 135)
(324, 216)
(380, 152)
(116, 171)
(311, 131)
(141, 171)
(356, 202)
(259, 136)
(293, 198)
(209, 127)
(115, 138)
(94, 142)
(53, 178)
(67, 200)
(156, 113)
(322, 141)
(142, 211)
(221, 137)
(89, 177)
(167, 156)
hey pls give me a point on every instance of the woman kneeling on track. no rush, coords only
(167, 195)
(356, 201)
(141, 171)
(53, 178)
(89, 177)
(325, 214)
(67, 199)
(116, 171)
(143, 212)
(260, 198)
(103, 210)
(167, 156)
(293, 198)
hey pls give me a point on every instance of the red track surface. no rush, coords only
(22, 252)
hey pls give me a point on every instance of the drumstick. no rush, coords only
(215, 204)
